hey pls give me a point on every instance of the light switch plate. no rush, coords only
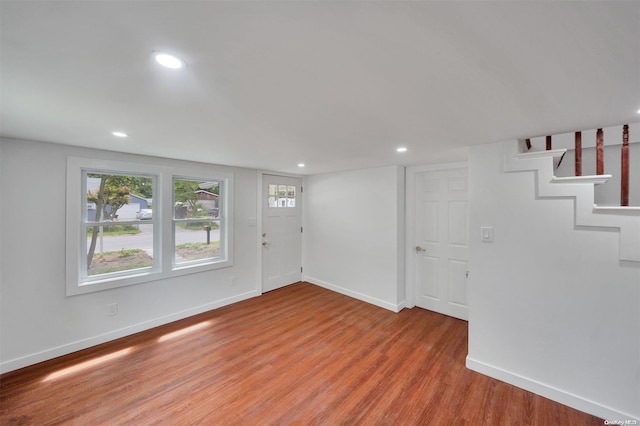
(486, 234)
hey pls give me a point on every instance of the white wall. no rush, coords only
(551, 308)
(37, 320)
(353, 241)
(2, 179)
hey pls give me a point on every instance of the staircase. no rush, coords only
(581, 189)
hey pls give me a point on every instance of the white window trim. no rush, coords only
(162, 216)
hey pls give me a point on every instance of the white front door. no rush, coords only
(281, 231)
(440, 239)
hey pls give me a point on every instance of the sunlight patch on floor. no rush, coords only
(184, 331)
(86, 365)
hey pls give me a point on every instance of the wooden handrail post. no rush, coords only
(624, 167)
(578, 147)
(599, 152)
(548, 143)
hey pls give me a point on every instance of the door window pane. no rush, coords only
(272, 200)
(291, 196)
(281, 196)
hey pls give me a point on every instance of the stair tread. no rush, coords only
(617, 209)
(595, 179)
(547, 153)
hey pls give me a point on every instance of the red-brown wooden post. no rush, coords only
(599, 152)
(548, 143)
(528, 142)
(624, 167)
(578, 147)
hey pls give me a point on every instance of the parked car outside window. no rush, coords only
(144, 214)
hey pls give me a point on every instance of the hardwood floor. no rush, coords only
(297, 355)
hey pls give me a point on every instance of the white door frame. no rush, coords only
(410, 204)
(261, 199)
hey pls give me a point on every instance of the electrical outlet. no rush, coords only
(113, 309)
(233, 281)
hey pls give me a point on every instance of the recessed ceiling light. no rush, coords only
(300, 164)
(119, 134)
(169, 61)
(401, 149)
(638, 111)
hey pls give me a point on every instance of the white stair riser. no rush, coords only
(582, 190)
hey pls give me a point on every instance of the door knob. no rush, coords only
(420, 249)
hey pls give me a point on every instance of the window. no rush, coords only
(198, 217)
(281, 196)
(119, 241)
(129, 223)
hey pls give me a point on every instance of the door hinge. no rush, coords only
(301, 189)
(466, 275)
(301, 269)
(301, 228)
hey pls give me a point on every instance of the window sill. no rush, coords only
(74, 289)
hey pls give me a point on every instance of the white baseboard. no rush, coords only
(547, 391)
(48, 354)
(360, 296)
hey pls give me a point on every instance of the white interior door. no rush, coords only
(440, 250)
(281, 231)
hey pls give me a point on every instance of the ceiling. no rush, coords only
(334, 84)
